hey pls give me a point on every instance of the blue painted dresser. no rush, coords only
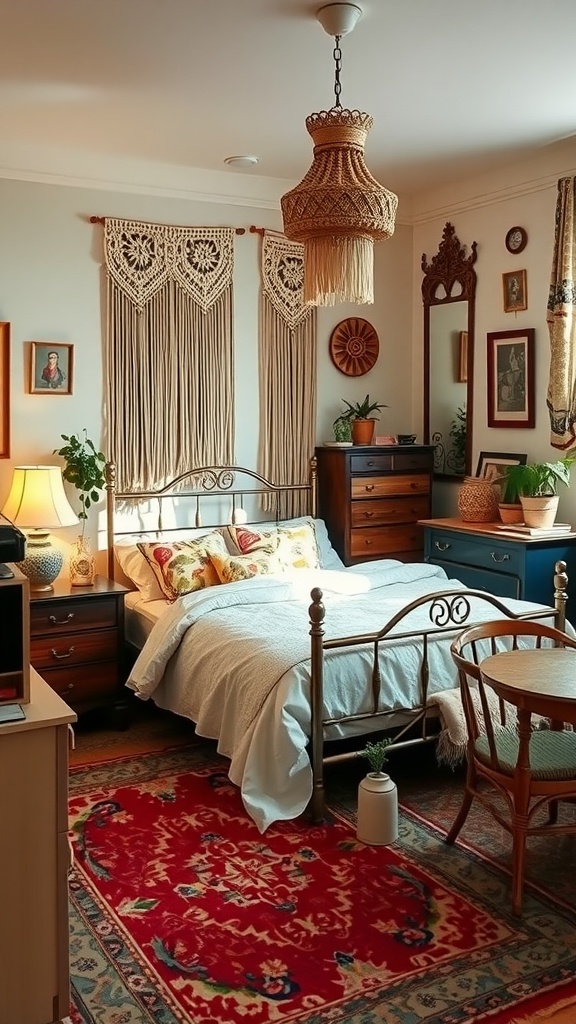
(484, 557)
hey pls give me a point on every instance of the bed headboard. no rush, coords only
(230, 484)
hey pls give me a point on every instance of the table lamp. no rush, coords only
(37, 504)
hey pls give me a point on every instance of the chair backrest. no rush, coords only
(482, 708)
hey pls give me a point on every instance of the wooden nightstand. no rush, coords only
(77, 643)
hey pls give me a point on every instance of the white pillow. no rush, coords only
(135, 566)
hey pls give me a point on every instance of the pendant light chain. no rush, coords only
(337, 54)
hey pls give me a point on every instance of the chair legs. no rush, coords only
(518, 862)
(460, 817)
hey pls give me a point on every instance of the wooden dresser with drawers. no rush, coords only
(371, 498)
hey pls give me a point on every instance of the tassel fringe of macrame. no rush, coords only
(339, 269)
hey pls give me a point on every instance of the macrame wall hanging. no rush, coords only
(287, 356)
(169, 349)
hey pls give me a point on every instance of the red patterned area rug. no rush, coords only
(181, 912)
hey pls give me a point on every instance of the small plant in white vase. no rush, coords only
(84, 468)
(377, 820)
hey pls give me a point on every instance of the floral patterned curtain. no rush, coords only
(561, 319)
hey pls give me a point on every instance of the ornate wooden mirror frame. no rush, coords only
(450, 277)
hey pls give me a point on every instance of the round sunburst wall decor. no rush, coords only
(354, 346)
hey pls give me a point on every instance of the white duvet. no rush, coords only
(235, 659)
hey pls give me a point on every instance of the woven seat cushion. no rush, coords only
(552, 753)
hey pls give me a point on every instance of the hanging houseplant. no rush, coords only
(84, 469)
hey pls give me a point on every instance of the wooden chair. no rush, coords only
(528, 772)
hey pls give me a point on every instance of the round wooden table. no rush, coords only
(539, 680)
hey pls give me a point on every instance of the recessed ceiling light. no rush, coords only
(241, 161)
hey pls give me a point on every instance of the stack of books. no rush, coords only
(520, 530)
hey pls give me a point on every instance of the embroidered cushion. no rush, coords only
(295, 546)
(182, 567)
(231, 568)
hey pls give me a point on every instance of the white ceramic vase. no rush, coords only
(377, 820)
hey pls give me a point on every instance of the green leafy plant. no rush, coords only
(84, 469)
(362, 410)
(375, 754)
(508, 487)
(342, 429)
(539, 479)
(458, 439)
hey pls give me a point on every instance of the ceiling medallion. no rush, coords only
(354, 346)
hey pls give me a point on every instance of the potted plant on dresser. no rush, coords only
(536, 484)
(361, 418)
(84, 468)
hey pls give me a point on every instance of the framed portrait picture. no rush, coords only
(510, 375)
(463, 357)
(490, 464)
(515, 291)
(51, 368)
(4, 391)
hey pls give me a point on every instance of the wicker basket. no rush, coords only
(478, 501)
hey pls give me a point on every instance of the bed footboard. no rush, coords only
(448, 612)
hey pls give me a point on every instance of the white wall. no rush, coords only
(483, 210)
(52, 289)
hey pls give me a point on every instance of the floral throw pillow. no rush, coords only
(231, 568)
(183, 566)
(244, 540)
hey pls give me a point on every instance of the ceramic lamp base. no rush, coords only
(43, 561)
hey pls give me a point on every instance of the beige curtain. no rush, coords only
(287, 358)
(169, 351)
(561, 318)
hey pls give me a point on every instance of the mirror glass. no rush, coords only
(448, 295)
(448, 386)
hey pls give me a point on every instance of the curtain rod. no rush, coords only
(94, 219)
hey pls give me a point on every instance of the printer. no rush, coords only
(12, 546)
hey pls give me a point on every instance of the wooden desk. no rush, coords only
(539, 681)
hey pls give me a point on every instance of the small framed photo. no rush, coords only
(51, 368)
(515, 291)
(490, 464)
(510, 375)
(463, 357)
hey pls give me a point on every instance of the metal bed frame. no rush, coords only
(449, 611)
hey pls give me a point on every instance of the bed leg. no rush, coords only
(316, 613)
(560, 594)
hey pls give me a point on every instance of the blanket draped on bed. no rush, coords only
(235, 659)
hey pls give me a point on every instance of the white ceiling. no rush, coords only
(454, 86)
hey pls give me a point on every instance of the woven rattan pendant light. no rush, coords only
(338, 210)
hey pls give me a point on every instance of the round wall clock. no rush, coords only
(516, 239)
(354, 346)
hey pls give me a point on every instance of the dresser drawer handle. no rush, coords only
(499, 556)
(60, 622)
(55, 654)
(370, 462)
(369, 487)
(368, 543)
(368, 515)
(442, 545)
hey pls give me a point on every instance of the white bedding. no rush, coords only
(235, 659)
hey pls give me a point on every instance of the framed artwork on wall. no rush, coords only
(51, 368)
(4, 390)
(510, 357)
(463, 357)
(490, 464)
(515, 291)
